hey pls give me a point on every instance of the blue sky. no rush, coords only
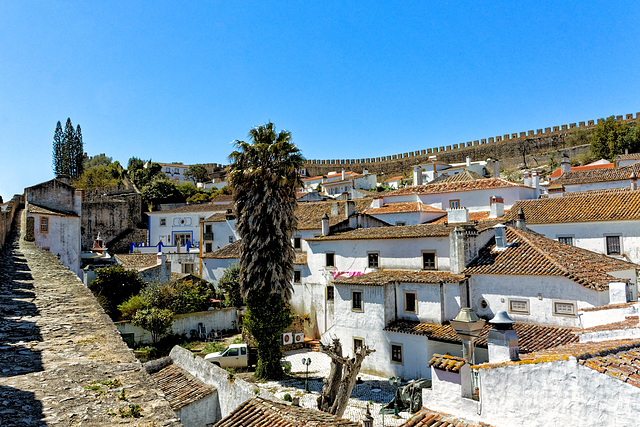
(179, 81)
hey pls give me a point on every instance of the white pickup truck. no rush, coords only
(234, 356)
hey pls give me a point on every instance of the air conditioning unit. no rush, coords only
(287, 338)
(298, 338)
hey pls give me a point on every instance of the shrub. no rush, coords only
(113, 286)
(129, 308)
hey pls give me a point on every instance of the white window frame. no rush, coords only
(353, 343)
(333, 293)
(163, 222)
(567, 236)
(415, 301)
(298, 240)
(299, 278)
(326, 260)
(572, 303)
(517, 301)
(606, 246)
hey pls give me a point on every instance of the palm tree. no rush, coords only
(264, 179)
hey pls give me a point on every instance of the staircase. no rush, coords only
(312, 344)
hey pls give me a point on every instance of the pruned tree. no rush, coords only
(197, 173)
(342, 377)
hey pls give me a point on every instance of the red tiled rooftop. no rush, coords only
(556, 173)
(309, 214)
(428, 418)
(444, 362)
(404, 207)
(232, 250)
(598, 175)
(473, 216)
(380, 278)
(449, 187)
(202, 207)
(179, 387)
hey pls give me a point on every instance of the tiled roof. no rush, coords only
(179, 387)
(598, 175)
(630, 322)
(599, 206)
(137, 261)
(591, 192)
(259, 412)
(203, 207)
(37, 209)
(217, 217)
(301, 258)
(232, 250)
(333, 175)
(402, 231)
(449, 187)
(428, 418)
(404, 207)
(529, 253)
(444, 362)
(458, 177)
(473, 216)
(310, 214)
(395, 178)
(380, 278)
(623, 365)
(222, 198)
(556, 173)
(631, 156)
(531, 336)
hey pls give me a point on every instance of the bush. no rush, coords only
(180, 297)
(129, 308)
(155, 320)
(113, 286)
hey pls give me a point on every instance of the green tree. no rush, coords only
(229, 284)
(161, 190)
(58, 158)
(608, 139)
(197, 173)
(143, 173)
(158, 321)
(186, 296)
(264, 178)
(68, 150)
(130, 307)
(113, 286)
(77, 153)
(97, 160)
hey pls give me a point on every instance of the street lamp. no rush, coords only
(395, 381)
(306, 361)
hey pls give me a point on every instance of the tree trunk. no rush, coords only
(332, 382)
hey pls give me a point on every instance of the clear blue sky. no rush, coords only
(178, 81)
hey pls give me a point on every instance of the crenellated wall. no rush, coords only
(498, 147)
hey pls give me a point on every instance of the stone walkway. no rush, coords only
(62, 361)
(376, 390)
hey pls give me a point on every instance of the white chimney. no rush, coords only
(527, 179)
(350, 208)
(500, 232)
(457, 215)
(617, 293)
(634, 181)
(496, 207)
(520, 222)
(502, 339)
(468, 161)
(417, 175)
(496, 169)
(343, 174)
(365, 172)
(535, 182)
(463, 247)
(335, 209)
(565, 166)
(377, 202)
(325, 225)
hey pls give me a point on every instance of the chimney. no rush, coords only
(468, 161)
(565, 166)
(462, 247)
(457, 215)
(527, 179)
(335, 209)
(417, 175)
(496, 168)
(365, 172)
(78, 199)
(502, 339)
(496, 209)
(634, 181)
(377, 202)
(535, 182)
(350, 208)
(500, 232)
(64, 178)
(162, 258)
(520, 223)
(618, 293)
(325, 225)
(343, 174)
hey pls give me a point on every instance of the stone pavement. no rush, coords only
(62, 361)
(372, 389)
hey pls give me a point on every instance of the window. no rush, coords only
(232, 352)
(563, 308)
(330, 293)
(401, 223)
(396, 353)
(613, 245)
(519, 306)
(200, 219)
(358, 343)
(454, 204)
(181, 238)
(429, 260)
(243, 351)
(187, 268)
(208, 228)
(44, 224)
(372, 259)
(567, 240)
(410, 299)
(330, 259)
(208, 247)
(163, 222)
(356, 300)
(297, 243)
(230, 239)
(297, 276)
(176, 170)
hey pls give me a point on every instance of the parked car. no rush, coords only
(234, 356)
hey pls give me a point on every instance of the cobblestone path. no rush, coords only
(62, 361)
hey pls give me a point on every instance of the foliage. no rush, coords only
(200, 197)
(187, 189)
(129, 308)
(100, 176)
(158, 321)
(68, 150)
(113, 286)
(213, 347)
(264, 178)
(186, 296)
(161, 190)
(97, 160)
(197, 173)
(142, 173)
(577, 136)
(229, 284)
(133, 411)
(287, 397)
(610, 138)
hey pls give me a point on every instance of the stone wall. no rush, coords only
(501, 147)
(7, 216)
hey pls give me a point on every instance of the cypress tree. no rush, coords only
(68, 141)
(78, 153)
(57, 149)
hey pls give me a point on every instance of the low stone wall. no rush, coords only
(7, 216)
(231, 391)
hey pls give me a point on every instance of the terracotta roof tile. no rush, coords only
(458, 177)
(203, 207)
(232, 250)
(179, 387)
(404, 207)
(137, 261)
(630, 156)
(529, 253)
(531, 336)
(395, 178)
(380, 278)
(310, 214)
(473, 216)
(222, 198)
(217, 217)
(428, 418)
(444, 362)
(601, 206)
(301, 258)
(556, 173)
(448, 187)
(598, 175)
(402, 231)
(37, 209)
(259, 412)
(591, 192)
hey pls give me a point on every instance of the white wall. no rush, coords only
(62, 239)
(213, 268)
(497, 289)
(591, 235)
(409, 218)
(205, 411)
(177, 222)
(569, 188)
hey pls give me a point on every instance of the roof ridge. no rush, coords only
(540, 251)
